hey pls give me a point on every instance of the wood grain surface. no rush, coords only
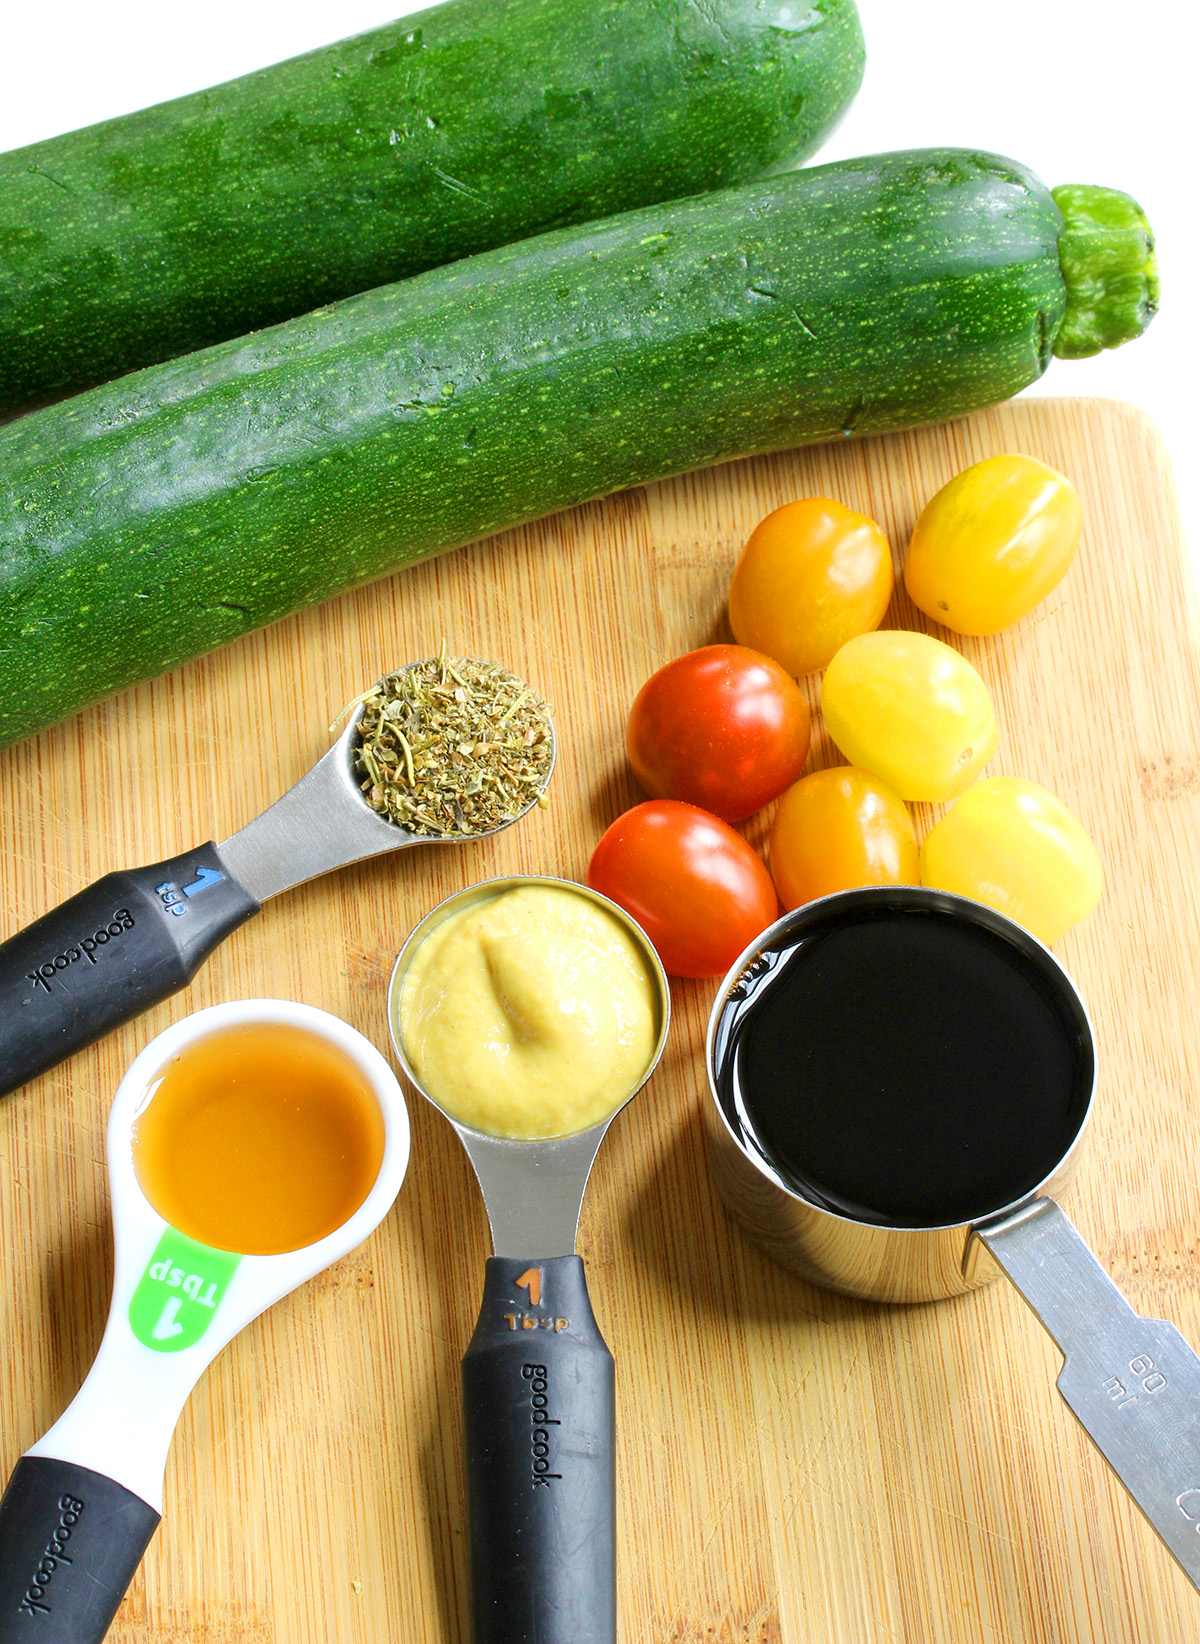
(794, 1468)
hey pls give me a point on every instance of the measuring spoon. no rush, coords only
(84, 1501)
(537, 1378)
(136, 936)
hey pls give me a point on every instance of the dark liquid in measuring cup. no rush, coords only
(907, 1068)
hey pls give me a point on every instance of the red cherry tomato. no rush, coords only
(723, 728)
(695, 887)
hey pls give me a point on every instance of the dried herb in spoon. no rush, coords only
(452, 746)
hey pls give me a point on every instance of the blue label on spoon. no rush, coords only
(179, 1292)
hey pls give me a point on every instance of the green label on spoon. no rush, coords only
(179, 1292)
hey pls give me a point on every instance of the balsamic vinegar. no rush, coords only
(907, 1068)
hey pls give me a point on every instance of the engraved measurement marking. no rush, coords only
(190, 1283)
(204, 878)
(1118, 1392)
(1192, 1511)
(171, 894)
(531, 1280)
(168, 1324)
(178, 1295)
(1151, 1381)
(535, 1321)
(168, 895)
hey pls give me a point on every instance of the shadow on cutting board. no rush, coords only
(442, 1231)
(72, 1311)
(678, 1229)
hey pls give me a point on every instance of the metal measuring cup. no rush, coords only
(1133, 1383)
(537, 1377)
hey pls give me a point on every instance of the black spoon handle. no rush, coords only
(70, 1542)
(118, 947)
(538, 1397)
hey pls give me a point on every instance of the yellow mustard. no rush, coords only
(531, 1014)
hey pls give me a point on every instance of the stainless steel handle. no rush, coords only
(1134, 1383)
(319, 824)
(533, 1191)
(323, 822)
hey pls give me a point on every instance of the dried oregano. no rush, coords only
(453, 746)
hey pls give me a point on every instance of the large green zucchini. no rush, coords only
(148, 520)
(468, 126)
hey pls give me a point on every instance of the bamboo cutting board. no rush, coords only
(794, 1468)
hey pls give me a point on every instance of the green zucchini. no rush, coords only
(471, 125)
(151, 519)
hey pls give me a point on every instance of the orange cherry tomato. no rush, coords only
(837, 829)
(723, 728)
(813, 575)
(696, 888)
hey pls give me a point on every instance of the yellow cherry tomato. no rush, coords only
(812, 575)
(838, 829)
(1012, 845)
(992, 544)
(911, 711)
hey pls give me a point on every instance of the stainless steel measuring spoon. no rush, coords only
(84, 1501)
(136, 936)
(1133, 1383)
(537, 1378)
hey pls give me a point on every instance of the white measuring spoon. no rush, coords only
(84, 1501)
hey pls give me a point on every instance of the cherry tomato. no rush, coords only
(723, 728)
(992, 544)
(812, 575)
(838, 829)
(909, 710)
(1014, 846)
(695, 887)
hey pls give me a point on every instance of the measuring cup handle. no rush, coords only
(1133, 1383)
(118, 947)
(70, 1542)
(538, 1398)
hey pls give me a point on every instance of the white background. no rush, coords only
(1099, 91)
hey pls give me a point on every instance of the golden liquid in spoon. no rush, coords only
(259, 1138)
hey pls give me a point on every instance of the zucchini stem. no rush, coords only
(1106, 253)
